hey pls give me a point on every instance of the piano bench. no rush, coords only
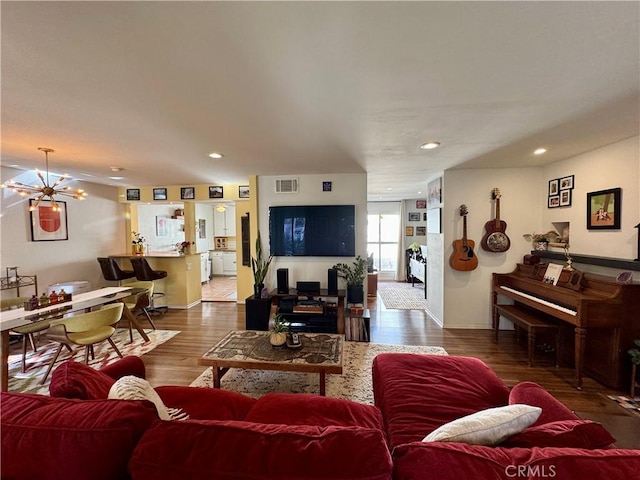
(532, 322)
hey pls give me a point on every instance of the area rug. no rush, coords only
(402, 296)
(629, 404)
(353, 384)
(37, 363)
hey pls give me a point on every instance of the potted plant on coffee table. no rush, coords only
(278, 336)
(260, 268)
(354, 276)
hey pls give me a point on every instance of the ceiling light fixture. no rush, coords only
(221, 208)
(45, 191)
(540, 151)
(430, 145)
(216, 155)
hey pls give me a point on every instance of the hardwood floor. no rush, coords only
(175, 362)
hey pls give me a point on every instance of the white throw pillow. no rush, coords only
(134, 388)
(487, 427)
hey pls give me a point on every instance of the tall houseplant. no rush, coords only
(354, 276)
(260, 268)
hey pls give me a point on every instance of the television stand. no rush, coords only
(324, 315)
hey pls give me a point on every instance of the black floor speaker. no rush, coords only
(283, 280)
(332, 282)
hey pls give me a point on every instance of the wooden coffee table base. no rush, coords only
(247, 349)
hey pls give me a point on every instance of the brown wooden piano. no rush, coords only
(599, 317)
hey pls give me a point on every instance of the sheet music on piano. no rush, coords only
(552, 274)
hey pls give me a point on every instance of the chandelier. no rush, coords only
(45, 191)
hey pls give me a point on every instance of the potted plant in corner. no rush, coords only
(354, 276)
(260, 267)
(635, 361)
(278, 336)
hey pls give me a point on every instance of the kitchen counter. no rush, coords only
(181, 286)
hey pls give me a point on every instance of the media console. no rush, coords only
(317, 312)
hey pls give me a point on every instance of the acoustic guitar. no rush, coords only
(463, 257)
(494, 239)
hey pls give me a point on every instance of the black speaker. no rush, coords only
(332, 282)
(283, 280)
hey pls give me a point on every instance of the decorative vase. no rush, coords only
(277, 339)
(355, 293)
(257, 290)
(137, 249)
(540, 246)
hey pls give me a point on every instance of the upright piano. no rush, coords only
(601, 316)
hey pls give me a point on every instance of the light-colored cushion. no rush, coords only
(135, 388)
(487, 427)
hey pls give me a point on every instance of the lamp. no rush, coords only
(45, 191)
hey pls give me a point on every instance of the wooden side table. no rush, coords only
(372, 284)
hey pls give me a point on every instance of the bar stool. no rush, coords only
(112, 272)
(145, 273)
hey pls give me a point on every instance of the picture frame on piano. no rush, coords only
(604, 209)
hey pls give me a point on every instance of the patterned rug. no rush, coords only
(630, 404)
(353, 384)
(37, 363)
(402, 296)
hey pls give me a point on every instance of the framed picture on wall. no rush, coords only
(553, 187)
(159, 193)
(414, 216)
(46, 224)
(187, 193)
(421, 204)
(421, 231)
(408, 231)
(566, 183)
(553, 201)
(243, 191)
(133, 194)
(434, 192)
(604, 209)
(565, 198)
(216, 191)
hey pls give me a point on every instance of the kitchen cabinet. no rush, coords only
(229, 266)
(224, 223)
(216, 263)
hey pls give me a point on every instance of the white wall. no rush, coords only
(347, 189)
(174, 233)
(96, 228)
(467, 295)
(612, 166)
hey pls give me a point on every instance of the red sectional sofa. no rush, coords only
(419, 393)
(79, 434)
(228, 436)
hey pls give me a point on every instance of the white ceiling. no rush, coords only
(313, 87)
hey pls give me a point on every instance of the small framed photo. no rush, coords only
(421, 204)
(133, 194)
(48, 224)
(216, 191)
(604, 209)
(566, 183)
(187, 193)
(424, 217)
(408, 231)
(414, 216)
(554, 201)
(421, 231)
(326, 186)
(434, 192)
(243, 191)
(553, 187)
(565, 198)
(159, 193)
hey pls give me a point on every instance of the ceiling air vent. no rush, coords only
(287, 185)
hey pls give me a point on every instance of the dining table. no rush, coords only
(84, 301)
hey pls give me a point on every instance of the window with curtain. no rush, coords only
(382, 240)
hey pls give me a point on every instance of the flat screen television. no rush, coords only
(313, 230)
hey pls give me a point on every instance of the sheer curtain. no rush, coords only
(401, 271)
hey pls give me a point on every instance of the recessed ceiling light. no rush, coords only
(389, 188)
(216, 155)
(117, 169)
(116, 178)
(419, 193)
(430, 145)
(540, 151)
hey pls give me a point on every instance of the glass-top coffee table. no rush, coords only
(320, 353)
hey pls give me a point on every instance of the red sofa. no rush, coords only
(419, 393)
(228, 436)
